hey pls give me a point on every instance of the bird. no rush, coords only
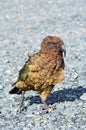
(42, 71)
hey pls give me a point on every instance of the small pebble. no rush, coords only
(83, 97)
(23, 25)
(1, 87)
(75, 75)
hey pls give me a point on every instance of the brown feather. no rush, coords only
(44, 69)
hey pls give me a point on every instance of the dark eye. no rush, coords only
(51, 45)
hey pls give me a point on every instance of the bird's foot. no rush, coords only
(49, 108)
(22, 109)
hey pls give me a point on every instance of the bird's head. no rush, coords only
(53, 43)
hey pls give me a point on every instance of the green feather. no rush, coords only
(24, 75)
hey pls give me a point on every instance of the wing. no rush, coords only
(30, 66)
(23, 73)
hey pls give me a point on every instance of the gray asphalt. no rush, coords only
(23, 25)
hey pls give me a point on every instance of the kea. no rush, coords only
(43, 70)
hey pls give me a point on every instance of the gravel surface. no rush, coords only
(23, 25)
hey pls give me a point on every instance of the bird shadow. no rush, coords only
(69, 94)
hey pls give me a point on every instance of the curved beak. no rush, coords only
(63, 49)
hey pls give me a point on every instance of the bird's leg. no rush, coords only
(48, 108)
(45, 105)
(22, 101)
(44, 94)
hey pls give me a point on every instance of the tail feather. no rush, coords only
(15, 90)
